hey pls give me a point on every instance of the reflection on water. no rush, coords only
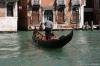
(9, 46)
(16, 49)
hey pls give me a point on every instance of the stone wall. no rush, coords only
(8, 24)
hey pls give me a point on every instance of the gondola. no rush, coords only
(54, 43)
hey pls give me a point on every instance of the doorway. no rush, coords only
(48, 15)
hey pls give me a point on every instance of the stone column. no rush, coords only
(81, 16)
(40, 16)
(43, 16)
(15, 9)
(53, 16)
(54, 19)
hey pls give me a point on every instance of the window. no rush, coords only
(10, 9)
(2, 4)
(89, 4)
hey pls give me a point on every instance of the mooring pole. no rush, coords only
(99, 25)
(92, 25)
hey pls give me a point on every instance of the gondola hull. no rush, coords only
(55, 43)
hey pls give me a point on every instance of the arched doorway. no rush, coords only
(48, 15)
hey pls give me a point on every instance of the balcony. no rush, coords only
(75, 3)
(60, 4)
(36, 5)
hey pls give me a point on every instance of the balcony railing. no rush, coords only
(75, 2)
(35, 4)
(60, 4)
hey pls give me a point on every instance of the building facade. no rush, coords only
(92, 12)
(97, 12)
(65, 14)
(89, 11)
(8, 15)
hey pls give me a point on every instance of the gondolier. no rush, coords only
(48, 28)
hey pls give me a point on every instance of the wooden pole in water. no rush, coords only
(86, 25)
(99, 25)
(92, 25)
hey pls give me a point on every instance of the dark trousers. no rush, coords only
(48, 33)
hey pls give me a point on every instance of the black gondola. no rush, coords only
(54, 43)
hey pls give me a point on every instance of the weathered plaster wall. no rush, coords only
(8, 23)
(46, 3)
(2, 12)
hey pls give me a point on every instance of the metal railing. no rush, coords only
(75, 2)
(60, 2)
(36, 2)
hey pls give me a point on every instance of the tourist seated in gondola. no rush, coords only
(48, 28)
(41, 27)
(53, 36)
(37, 34)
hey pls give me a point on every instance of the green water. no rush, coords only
(16, 49)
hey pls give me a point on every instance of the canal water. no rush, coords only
(16, 49)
